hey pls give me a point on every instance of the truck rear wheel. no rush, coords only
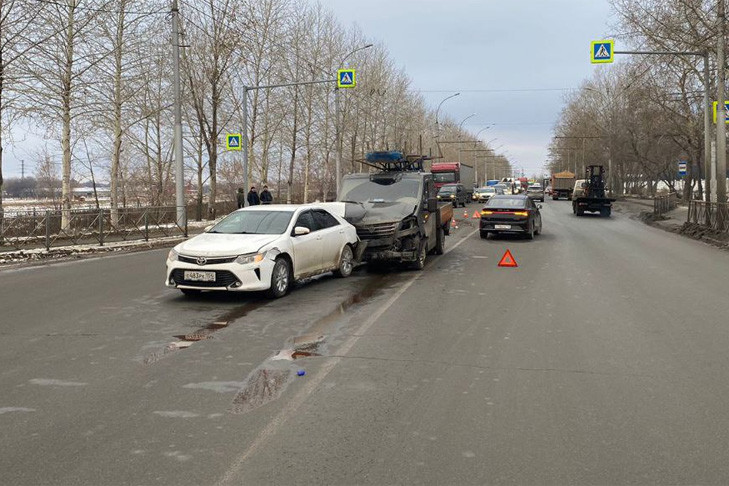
(605, 212)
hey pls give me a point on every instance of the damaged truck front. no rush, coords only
(396, 215)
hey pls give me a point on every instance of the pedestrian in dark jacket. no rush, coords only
(266, 196)
(253, 199)
(241, 197)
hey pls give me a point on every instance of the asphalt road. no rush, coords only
(601, 359)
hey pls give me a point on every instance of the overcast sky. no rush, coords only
(512, 60)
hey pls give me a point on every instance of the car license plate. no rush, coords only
(194, 276)
(502, 226)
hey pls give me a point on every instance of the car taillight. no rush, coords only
(521, 213)
(486, 213)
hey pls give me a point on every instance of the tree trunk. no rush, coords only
(66, 121)
(116, 153)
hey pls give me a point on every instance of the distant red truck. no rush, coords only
(454, 173)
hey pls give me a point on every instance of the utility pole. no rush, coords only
(338, 142)
(179, 169)
(708, 160)
(22, 169)
(720, 109)
(338, 123)
(245, 144)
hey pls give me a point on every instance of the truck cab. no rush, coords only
(396, 213)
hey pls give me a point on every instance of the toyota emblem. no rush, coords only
(201, 260)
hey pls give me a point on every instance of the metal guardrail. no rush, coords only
(714, 214)
(665, 203)
(43, 229)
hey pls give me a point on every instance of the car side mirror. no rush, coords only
(432, 205)
(539, 206)
(301, 231)
(208, 228)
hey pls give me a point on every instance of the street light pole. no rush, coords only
(437, 125)
(177, 142)
(338, 124)
(460, 127)
(244, 134)
(721, 114)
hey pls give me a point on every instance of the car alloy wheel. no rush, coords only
(280, 278)
(346, 263)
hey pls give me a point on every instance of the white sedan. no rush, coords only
(264, 248)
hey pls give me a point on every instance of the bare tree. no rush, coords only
(57, 86)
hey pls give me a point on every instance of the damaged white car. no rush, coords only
(264, 248)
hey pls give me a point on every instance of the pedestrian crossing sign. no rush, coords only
(602, 52)
(346, 78)
(232, 141)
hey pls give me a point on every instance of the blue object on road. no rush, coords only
(301, 372)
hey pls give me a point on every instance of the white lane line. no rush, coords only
(280, 419)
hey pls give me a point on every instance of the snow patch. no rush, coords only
(15, 409)
(217, 386)
(52, 382)
(175, 414)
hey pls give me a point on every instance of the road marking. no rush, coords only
(280, 419)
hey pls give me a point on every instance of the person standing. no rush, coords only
(253, 199)
(266, 196)
(241, 198)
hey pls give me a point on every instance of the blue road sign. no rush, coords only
(602, 51)
(346, 78)
(682, 168)
(232, 141)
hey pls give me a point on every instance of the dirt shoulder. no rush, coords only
(674, 221)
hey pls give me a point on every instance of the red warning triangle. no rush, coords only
(476, 215)
(508, 260)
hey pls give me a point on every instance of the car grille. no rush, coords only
(223, 278)
(208, 260)
(375, 231)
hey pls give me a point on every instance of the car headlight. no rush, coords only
(172, 255)
(250, 258)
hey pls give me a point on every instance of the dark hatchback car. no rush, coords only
(455, 193)
(511, 214)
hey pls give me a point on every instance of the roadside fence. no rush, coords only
(665, 203)
(714, 214)
(31, 229)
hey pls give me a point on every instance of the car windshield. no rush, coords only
(447, 190)
(534, 189)
(444, 176)
(486, 190)
(254, 223)
(395, 188)
(507, 202)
